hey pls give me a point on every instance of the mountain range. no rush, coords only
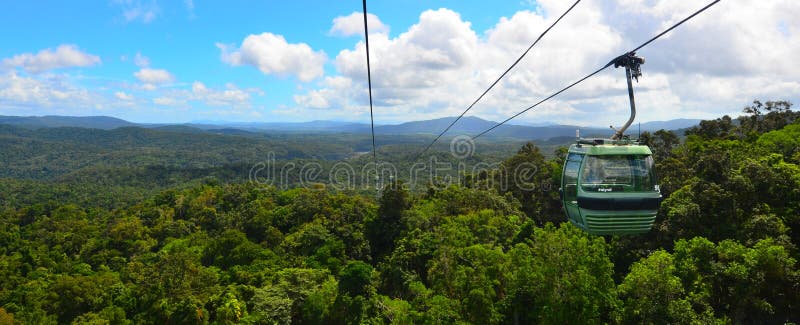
(52, 121)
(467, 126)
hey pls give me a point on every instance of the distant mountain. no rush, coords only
(538, 123)
(179, 128)
(468, 125)
(473, 125)
(313, 126)
(50, 121)
(675, 124)
(234, 131)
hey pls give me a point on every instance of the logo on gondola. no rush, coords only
(608, 189)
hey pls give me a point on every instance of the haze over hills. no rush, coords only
(467, 126)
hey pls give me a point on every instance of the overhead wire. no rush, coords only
(496, 81)
(600, 69)
(369, 86)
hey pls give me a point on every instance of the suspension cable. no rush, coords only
(369, 85)
(601, 69)
(496, 81)
(542, 101)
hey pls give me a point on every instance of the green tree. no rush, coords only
(561, 275)
(355, 289)
(652, 293)
(233, 248)
(71, 296)
(355, 279)
(528, 176)
(661, 142)
(785, 141)
(765, 117)
(228, 308)
(173, 285)
(721, 128)
(746, 285)
(294, 296)
(386, 227)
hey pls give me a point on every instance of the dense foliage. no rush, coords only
(491, 250)
(115, 168)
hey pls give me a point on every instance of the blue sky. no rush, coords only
(178, 61)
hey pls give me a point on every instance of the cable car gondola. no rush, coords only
(609, 186)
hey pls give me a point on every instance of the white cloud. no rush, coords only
(712, 65)
(123, 96)
(168, 101)
(433, 54)
(47, 91)
(138, 10)
(427, 71)
(272, 54)
(141, 60)
(353, 24)
(199, 87)
(189, 4)
(154, 76)
(230, 96)
(51, 93)
(326, 98)
(64, 56)
(739, 38)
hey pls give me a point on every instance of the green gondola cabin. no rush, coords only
(609, 187)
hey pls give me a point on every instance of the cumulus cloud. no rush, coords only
(427, 71)
(713, 65)
(123, 96)
(439, 50)
(53, 93)
(353, 24)
(326, 98)
(141, 60)
(154, 76)
(231, 96)
(64, 56)
(189, 4)
(138, 10)
(272, 54)
(742, 38)
(169, 101)
(19, 90)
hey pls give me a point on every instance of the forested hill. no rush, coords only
(466, 125)
(54, 154)
(127, 164)
(484, 251)
(95, 122)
